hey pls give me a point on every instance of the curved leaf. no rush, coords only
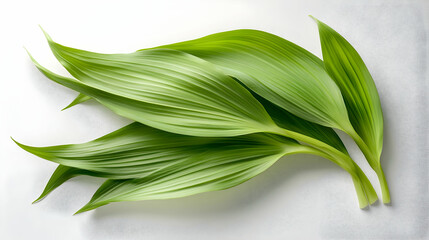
(197, 174)
(111, 71)
(277, 70)
(136, 150)
(168, 159)
(156, 86)
(348, 70)
(172, 91)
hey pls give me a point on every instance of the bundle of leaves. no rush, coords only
(213, 112)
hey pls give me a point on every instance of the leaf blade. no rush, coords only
(136, 150)
(276, 69)
(348, 70)
(214, 173)
(227, 108)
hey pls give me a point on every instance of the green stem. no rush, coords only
(360, 191)
(369, 189)
(383, 185)
(315, 143)
(374, 162)
(364, 190)
(362, 184)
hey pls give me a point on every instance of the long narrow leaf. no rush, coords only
(136, 150)
(273, 67)
(140, 151)
(347, 68)
(191, 97)
(107, 71)
(145, 136)
(175, 92)
(277, 70)
(127, 75)
(201, 173)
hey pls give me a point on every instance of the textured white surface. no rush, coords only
(301, 197)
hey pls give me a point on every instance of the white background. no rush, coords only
(300, 197)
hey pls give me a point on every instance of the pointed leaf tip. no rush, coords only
(79, 99)
(46, 34)
(17, 143)
(89, 206)
(315, 19)
(68, 106)
(38, 199)
(80, 211)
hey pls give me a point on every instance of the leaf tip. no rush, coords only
(73, 103)
(91, 205)
(38, 199)
(30, 149)
(315, 19)
(67, 107)
(85, 208)
(46, 34)
(32, 58)
(17, 143)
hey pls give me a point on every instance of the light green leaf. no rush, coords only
(201, 173)
(175, 92)
(111, 71)
(172, 91)
(169, 159)
(348, 70)
(147, 138)
(276, 69)
(136, 150)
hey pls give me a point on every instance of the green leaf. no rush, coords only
(286, 120)
(273, 67)
(346, 67)
(225, 168)
(146, 139)
(175, 92)
(168, 159)
(136, 150)
(126, 75)
(172, 91)
(276, 69)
